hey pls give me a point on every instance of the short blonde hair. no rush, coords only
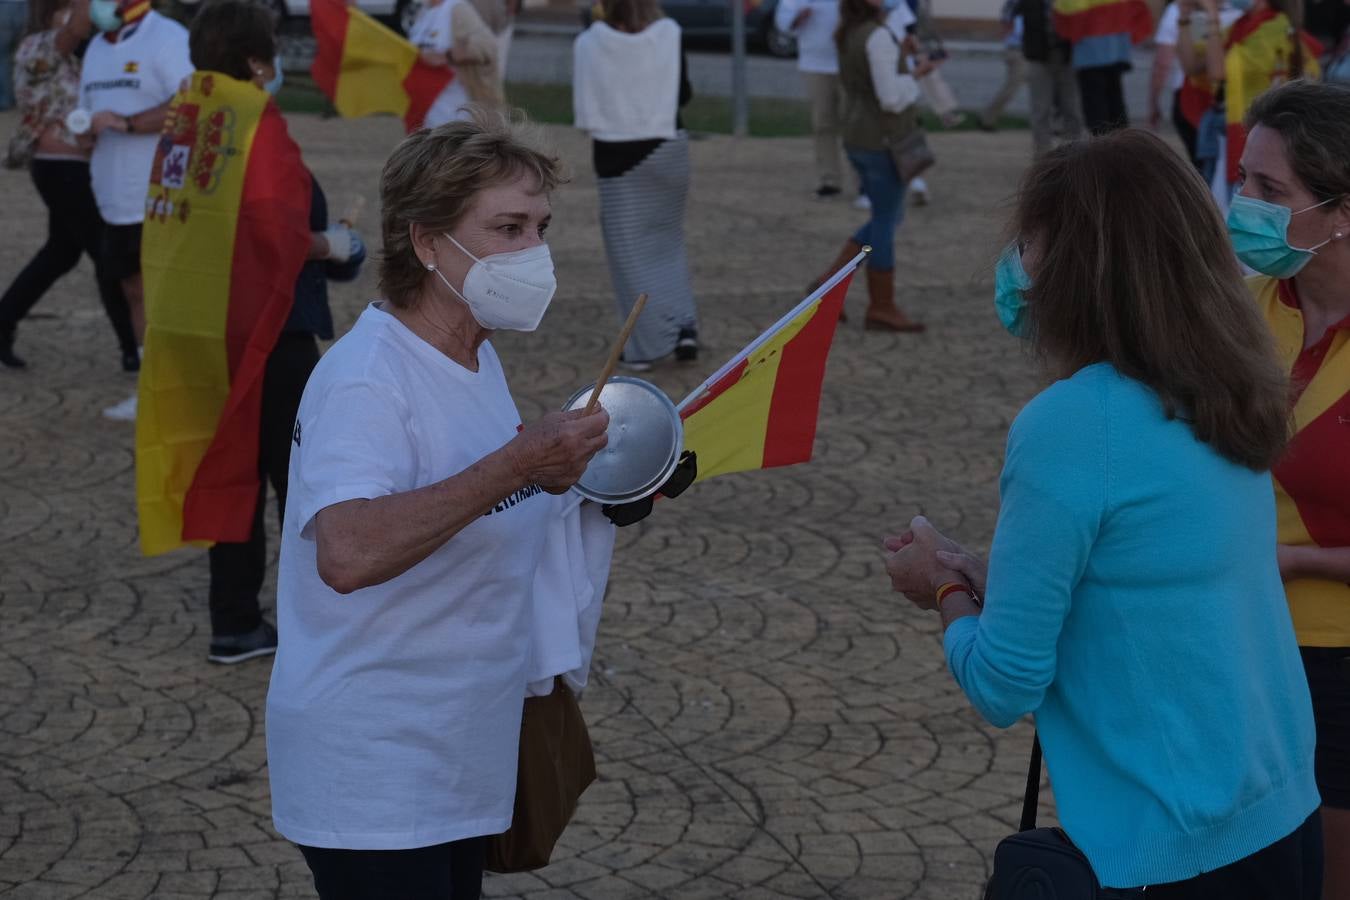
(432, 177)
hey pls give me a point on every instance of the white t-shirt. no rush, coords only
(815, 38)
(1167, 35)
(393, 718)
(141, 71)
(432, 31)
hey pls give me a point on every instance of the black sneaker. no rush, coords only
(826, 191)
(7, 357)
(686, 348)
(235, 648)
(131, 361)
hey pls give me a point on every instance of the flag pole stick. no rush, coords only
(615, 352)
(758, 342)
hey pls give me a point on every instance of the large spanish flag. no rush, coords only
(1079, 19)
(760, 409)
(365, 68)
(226, 234)
(1258, 56)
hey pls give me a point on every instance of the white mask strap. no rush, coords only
(462, 248)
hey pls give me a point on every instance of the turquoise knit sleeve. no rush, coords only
(1053, 500)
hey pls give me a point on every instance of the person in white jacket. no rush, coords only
(812, 23)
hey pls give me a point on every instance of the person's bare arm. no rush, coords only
(147, 121)
(366, 542)
(1328, 563)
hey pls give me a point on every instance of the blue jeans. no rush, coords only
(13, 21)
(881, 184)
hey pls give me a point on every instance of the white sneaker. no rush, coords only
(122, 412)
(861, 202)
(918, 192)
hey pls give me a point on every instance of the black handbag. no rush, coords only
(1042, 863)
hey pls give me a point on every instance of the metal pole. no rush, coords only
(740, 101)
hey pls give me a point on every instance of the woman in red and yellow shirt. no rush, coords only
(1291, 222)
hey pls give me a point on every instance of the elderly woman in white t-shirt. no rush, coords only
(416, 526)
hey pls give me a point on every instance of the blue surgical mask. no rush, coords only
(1010, 285)
(274, 84)
(104, 16)
(1259, 232)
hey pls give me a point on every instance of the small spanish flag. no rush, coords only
(226, 233)
(1258, 56)
(365, 68)
(760, 409)
(1079, 19)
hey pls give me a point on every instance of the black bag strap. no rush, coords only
(1031, 799)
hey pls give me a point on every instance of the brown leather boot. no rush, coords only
(851, 249)
(882, 313)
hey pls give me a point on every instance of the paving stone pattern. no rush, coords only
(770, 720)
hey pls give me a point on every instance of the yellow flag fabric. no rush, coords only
(1259, 56)
(763, 412)
(225, 235)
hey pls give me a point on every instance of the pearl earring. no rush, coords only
(431, 267)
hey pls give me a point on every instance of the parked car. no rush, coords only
(712, 18)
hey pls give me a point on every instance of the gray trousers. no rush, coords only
(826, 99)
(1055, 105)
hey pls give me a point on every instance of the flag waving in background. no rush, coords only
(1257, 57)
(365, 68)
(226, 234)
(1076, 20)
(760, 409)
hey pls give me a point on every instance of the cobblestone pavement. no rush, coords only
(770, 721)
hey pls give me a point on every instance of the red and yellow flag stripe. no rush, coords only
(1259, 56)
(226, 233)
(1079, 19)
(364, 68)
(762, 412)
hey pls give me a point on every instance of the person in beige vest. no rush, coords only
(880, 110)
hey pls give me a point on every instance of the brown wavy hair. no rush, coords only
(1136, 270)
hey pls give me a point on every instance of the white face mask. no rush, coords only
(507, 291)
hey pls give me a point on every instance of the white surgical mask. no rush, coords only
(507, 291)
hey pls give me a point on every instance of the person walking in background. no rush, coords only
(1102, 33)
(500, 18)
(131, 72)
(1014, 66)
(812, 23)
(13, 21)
(1135, 537)
(629, 81)
(1291, 222)
(452, 33)
(1260, 50)
(1055, 103)
(1169, 79)
(880, 109)
(48, 89)
(238, 39)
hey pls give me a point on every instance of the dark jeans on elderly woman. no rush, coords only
(452, 871)
(74, 227)
(238, 570)
(881, 183)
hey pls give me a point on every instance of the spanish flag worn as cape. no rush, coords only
(760, 409)
(365, 68)
(1079, 19)
(1257, 57)
(226, 234)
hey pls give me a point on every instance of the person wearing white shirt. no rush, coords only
(419, 515)
(130, 74)
(1167, 76)
(812, 23)
(451, 33)
(880, 111)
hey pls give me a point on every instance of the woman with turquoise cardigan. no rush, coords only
(1132, 599)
